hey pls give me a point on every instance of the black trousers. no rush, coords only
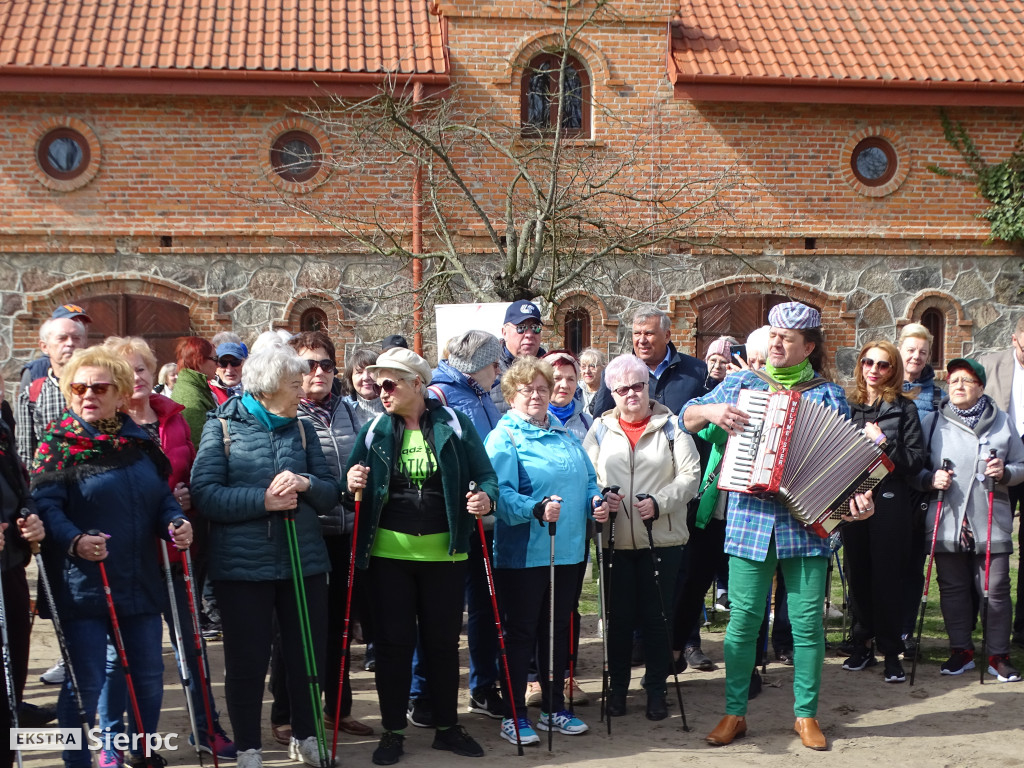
(247, 610)
(701, 559)
(19, 615)
(411, 595)
(1017, 503)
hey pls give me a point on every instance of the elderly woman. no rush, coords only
(718, 358)
(258, 469)
(638, 447)
(415, 464)
(566, 398)
(915, 345)
(966, 431)
(542, 469)
(592, 363)
(197, 364)
(877, 551)
(101, 486)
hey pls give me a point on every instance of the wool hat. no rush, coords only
(232, 349)
(402, 359)
(563, 356)
(394, 340)
(518, 311)
(794, 316)
(71, 312)
(722, 347)
(473, 359)
(968, 363)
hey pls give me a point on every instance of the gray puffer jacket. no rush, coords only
(337, 436)
(248, 543)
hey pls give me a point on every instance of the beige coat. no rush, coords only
(649, 468)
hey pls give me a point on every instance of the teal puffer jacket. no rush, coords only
(248, 543)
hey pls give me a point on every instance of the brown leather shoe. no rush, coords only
(282, 733)
(810, 733)
(730, 727)
(354, 727)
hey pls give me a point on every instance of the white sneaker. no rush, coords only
(307, 752)
(54, 675)
(250, 758)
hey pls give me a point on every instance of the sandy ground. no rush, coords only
(940, 721)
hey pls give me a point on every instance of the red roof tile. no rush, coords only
(949, 44)
(302, 37)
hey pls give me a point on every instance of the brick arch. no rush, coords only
(341, 330)
(959, 339)
(529, 46)
(604, 329)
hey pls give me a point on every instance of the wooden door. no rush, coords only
(158, 321)
(736, 316)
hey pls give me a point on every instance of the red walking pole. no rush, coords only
(928, 576)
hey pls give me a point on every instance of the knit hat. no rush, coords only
(721, 347)
(967, 363)
(794, 316)
(473, 359)
(402, 359)
(559, 356)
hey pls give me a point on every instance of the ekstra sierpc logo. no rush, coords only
(51, 739)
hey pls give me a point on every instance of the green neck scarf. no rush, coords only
(788, 377)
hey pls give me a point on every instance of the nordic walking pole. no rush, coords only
(12, 699)
(655, 562)
(183, 670)
(358, 496)
(551, 629)
(62, 642)
(607, 592)
(928, 576)
(306, 631)
(198, 643)
(140, 728)
(489, 576)
(990, 486)
(603, 612)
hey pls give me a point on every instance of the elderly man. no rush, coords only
(41, 401)
(520, 337)
(761, 533)
(1005, 373)
(231, 356)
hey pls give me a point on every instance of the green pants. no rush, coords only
(749, 582)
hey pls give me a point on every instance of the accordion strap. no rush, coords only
(775, 384)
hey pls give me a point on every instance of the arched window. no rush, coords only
(539, 97)
(577, 330)
(934, 319)
(313, 319)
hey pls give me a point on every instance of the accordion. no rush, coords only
(808, 456)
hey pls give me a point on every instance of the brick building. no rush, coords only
(156, 159)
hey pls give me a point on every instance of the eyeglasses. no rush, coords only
(325, 365)
(536, 328)
(531, 391)
(79, 389)
(229, 362)
(639, 387)
(213, 360)
(387, 385)
(965, 380)
(882, 365)
(588, 366)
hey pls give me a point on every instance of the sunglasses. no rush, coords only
(229, 362)
(882, 365)
(639, 387)
(387, 385)
(325, 365)
(524, 327)
(80, 389)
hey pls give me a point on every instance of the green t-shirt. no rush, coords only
(416, 461)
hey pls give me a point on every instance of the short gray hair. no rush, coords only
(225, 337)
(625, 367)
(265, 370)
(647, 311)
(46, 328)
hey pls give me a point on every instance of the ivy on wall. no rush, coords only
(1001, 184)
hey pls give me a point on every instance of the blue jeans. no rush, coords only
(87, 644)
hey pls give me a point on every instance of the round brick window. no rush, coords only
(874, 161)
(63, 154)
(295, 156)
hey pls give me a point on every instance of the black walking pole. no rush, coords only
(551, 635)
(183, 670)
(12, 698)
(928, 576)
(655, 562)
(990, 486)
(603, 613)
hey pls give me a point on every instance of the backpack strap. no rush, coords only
(369, 433)
(227, 435)
(453, 421)
(438, 394)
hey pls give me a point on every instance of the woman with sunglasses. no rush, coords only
(638, 447)
(414, 465)
(545, 477)
(101, 487)
(877, 552)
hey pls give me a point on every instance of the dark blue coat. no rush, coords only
(683, 380)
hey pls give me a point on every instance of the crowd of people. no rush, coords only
(281, 502)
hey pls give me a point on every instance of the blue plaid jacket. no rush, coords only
(750, 521)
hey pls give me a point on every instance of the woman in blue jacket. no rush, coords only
(544, 477)
(97, 471)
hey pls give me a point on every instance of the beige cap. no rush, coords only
(401, 359)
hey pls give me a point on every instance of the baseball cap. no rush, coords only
(970, 363)
(518, 311)
(71, 312)
(232, 349)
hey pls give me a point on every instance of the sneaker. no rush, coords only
(370, 659)
(722, 603)
(222, 744)
(54, 675)
(526, 733)
(909, 648)
(307, 752)
(861, 658)
(961, 661)
(563, 722)
(420, 714)
(894, 670)
(111, 758)
(456, 739)
(250, 758)
(152, 761)
(579, 696)
(695, 658)
(212, 631)
(389, 749)
(785, 656)
(487, 701)
(1000, 666)
(534, 694)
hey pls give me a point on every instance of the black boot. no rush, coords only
(657, 707)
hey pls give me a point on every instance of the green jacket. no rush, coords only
(709, 483)
(460, 457)
(192, 390)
